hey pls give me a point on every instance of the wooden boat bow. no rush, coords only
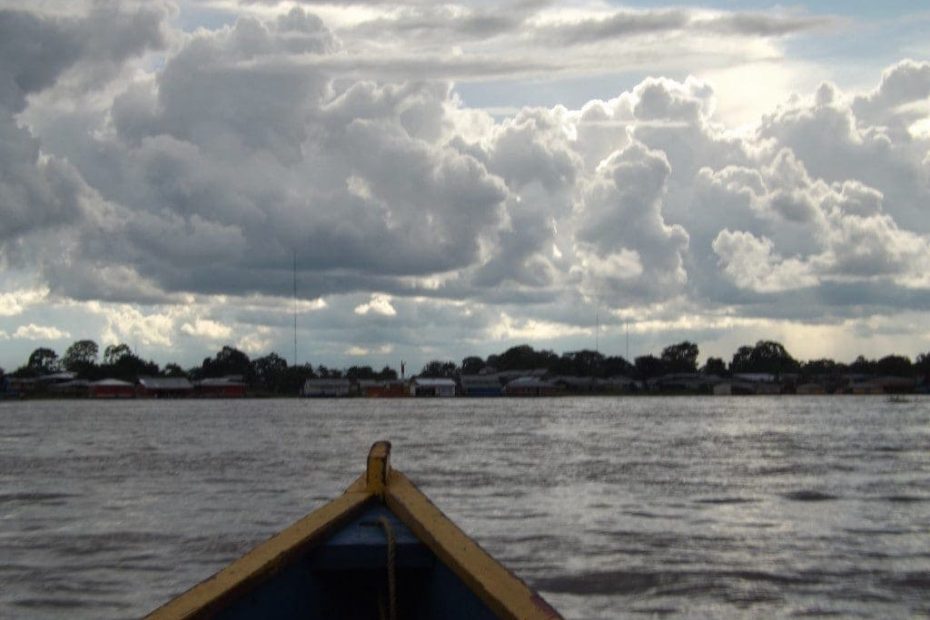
(501, 592)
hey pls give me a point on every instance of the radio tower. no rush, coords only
(295, 307)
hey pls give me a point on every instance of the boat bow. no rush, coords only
(287, 575)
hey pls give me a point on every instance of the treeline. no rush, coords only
(764, 357)
(269, 373)
(272, 374)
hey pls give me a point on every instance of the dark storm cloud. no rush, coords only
(35, 51)
(34, 194)
(194, 176)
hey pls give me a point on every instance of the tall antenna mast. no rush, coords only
(626, 324)
(597, 327)
(295, 307)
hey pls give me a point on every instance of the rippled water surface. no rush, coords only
(612, 507)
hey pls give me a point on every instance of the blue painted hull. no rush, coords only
(346, 577)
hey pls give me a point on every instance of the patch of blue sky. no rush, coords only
(544, 92)
(867, 37)
(858, 49)
(193, 16)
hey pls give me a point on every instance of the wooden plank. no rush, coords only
(501, 590)
(378, 468)
(214, 593)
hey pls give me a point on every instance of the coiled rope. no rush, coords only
(391, 571)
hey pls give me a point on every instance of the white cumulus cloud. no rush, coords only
(206, 328)
(32, 331)
(16, 302)
(378, 304)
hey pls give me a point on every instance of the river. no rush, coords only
(611, 507)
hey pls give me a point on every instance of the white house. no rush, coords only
(326, 388)
(423, 386)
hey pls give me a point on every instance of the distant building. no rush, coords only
(809, 389)
(165, 387)
(423, 386)
(506, 376)
(594, 385)
(620, 383)
(685, 382)
(327, 388)
(76, 388)
(20, 385)
(745, 388)
(111, 388)
(530, 386)
(373, 388)
(755, 377)
(57, 377)
(883, 385)
(221, 387)
(725, 389)
(481, 385)
(577, 385)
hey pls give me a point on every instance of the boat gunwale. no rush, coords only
(507, 595)
(496, 586)
(264, 560)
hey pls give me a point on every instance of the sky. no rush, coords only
(457, 178)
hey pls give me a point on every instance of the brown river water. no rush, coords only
(610, 507)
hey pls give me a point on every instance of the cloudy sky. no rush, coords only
(458, 178)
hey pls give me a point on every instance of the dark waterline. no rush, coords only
(660, 507)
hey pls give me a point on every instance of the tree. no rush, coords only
(227, 361)
(863, 366)
(472, 365)
(294, 379)
(114, 352)
(616, 365)
(681, 357)
(355, 373)
(767, 356)
(584, 363)
(523, 357)
(174, 370)
(129, 367)
(820, 368)
(922, 364)
(649, 366)
(895, 365)
(328, 373)
(742, 359)
(439, 369)
(43, 361)
(715, 366)
(387, 374)
(270, 371)
(81, 356)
